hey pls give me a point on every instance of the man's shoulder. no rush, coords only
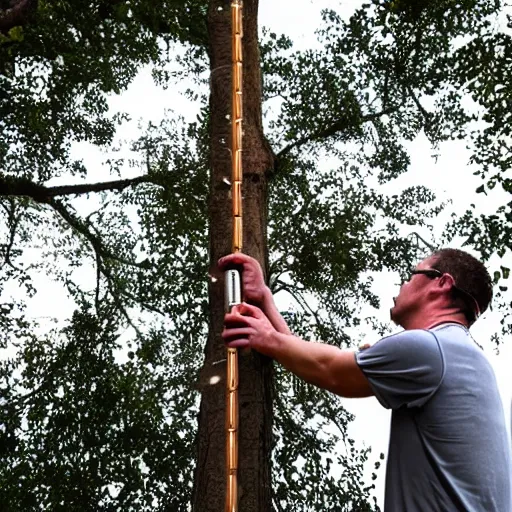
(409, 345)
(457, 338)
(404, 369)
(408, 337)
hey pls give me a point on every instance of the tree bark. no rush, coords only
(16, 14)
(255, 389)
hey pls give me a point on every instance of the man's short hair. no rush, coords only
(471, 277)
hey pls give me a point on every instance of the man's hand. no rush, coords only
(255, 291)
(247, 326)
(254, 288)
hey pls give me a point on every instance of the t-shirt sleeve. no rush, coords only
(404, 369)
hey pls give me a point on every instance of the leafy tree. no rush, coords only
(117, 409)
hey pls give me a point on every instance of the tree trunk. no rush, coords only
(255, 389)
(17, 14)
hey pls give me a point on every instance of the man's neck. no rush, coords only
(429, 321)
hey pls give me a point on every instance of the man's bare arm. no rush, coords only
(320, 364)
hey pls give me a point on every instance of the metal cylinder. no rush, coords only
(233, 289)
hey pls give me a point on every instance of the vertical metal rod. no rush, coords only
(233, 288)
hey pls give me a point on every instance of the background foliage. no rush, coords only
(100, 413)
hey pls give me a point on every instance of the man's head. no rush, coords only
(449, 283)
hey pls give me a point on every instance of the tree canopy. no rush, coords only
(100, 412)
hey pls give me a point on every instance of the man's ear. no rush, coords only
(446, 281)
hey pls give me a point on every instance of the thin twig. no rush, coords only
(101, 254)
(430, 246)
(13, 221)
(301, 301)
(333, 129)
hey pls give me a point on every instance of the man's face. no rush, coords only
(412, 295)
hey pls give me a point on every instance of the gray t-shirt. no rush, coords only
(448, 448)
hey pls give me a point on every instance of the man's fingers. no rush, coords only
(236, 332)
(248, 310)
(233, 334)
(233, 259)
(236, 319)
(241, 343)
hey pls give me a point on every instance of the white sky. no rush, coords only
(299, 19)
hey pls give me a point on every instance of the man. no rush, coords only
(448, 448)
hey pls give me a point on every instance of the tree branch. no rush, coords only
(11, 186)
(333, 129)
(78, 225)
(301, 301)
(13, 221)
(426, 115)
(102, 253)
(117, 185)
(420, 238)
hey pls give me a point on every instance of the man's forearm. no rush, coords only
(319, 364)
(309, 361)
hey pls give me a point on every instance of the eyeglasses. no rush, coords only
(433, 273)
